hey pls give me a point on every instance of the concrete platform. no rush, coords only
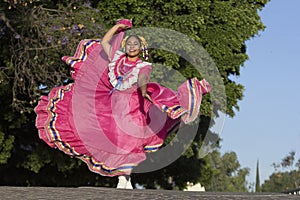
(100, 193)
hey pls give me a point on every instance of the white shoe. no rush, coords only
(124, 183)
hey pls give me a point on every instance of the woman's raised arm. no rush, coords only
(107, 37)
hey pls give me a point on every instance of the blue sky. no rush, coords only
(267, 127)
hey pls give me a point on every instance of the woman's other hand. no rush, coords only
(147, 96)
(123, 26)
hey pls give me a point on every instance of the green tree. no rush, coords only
(227, 176)
(36, 33)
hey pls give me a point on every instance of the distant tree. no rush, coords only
(285, 179)
(282, 181)
(298, 164)
(257, 182)
(227, 176)
(288, 161)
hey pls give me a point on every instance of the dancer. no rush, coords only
(111, 116)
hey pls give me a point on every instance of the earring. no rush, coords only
(145, 53)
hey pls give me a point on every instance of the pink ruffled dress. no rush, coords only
(106, 122)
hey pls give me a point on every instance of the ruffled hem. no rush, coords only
(56, 128)
(194, 89)
(83, 50)
(185, 102)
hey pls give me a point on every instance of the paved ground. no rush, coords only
(99, 193)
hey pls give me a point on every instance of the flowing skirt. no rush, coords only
(111, 133)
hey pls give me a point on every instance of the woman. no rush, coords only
(111, 115)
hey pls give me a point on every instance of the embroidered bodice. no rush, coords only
(123, 74)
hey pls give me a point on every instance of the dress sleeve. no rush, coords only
(116, 43)
(146, 71)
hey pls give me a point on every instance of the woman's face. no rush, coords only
(132, 47)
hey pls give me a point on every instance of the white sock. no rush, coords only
(128, 184)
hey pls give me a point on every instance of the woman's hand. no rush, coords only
(123, 26)
(142, 83)
(147, 96)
